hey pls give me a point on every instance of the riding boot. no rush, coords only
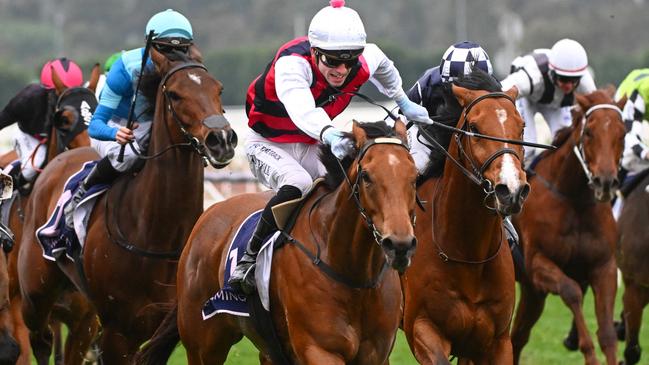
(242, 278)
(517, 254)
(6, 238)
(102, 173)
(23, 185)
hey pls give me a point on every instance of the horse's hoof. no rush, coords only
(571, 343)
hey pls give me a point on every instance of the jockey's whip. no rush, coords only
(129, 119)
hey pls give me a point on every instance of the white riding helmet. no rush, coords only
(337, 27)
(568, 58)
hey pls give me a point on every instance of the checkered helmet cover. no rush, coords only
(459, 59)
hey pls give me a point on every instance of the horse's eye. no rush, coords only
(588, 133)
(366, 177)
(473, 129)
(173, 95)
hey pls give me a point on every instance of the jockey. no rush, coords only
(107, 128)
(458, 60)
(635, 88)
(546, 80)
(32, 109)
(291, 105)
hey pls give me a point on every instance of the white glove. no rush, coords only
(412, 110)
(340, 145)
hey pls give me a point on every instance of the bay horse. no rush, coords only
(137, 229)
(567, 229)
(460, 289)
(632, 251)
(333, 298)
(70, 113)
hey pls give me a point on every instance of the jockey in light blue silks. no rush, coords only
(108, 128)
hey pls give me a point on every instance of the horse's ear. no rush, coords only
(195, 54)
(610, 89)
(65, 117)
(94, 77)
(401, 130)
(162, 64)
(622, 102)
(359, 134)
(512, 92)
(58, 84)
(463, 96)
(583, 101)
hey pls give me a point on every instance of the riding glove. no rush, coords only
(340, 145)
(412, 110)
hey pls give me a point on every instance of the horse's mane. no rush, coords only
(335, 175)
(151, 79)
(449, 112)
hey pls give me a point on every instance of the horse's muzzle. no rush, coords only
(399, 251)
(508, 202)
(605, 187)
(220, 146)
(9, 349)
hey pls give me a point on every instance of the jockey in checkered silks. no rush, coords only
(546, 80)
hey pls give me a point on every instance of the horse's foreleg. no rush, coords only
(501, 352)
(20, 333)
(548, 277)
(530, 307)
(427, 344)
(603, 282)
(634, 299)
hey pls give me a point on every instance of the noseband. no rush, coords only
(578, 149)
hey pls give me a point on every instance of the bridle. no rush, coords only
(212, 121)
(578, 149)
(376, 233)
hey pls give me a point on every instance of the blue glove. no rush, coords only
(412, 110)
(340, 145)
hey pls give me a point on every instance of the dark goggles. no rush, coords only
(167, 45)
(333, 59)
(568, 79)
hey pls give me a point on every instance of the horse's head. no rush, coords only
(193, 99)
(385, 183)
(72, 112)
(496, 165)
(598, 137)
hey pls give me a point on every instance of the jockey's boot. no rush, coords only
(102, 173)
(23, 185)
(242, 278)
(6, 238)
(517, 254)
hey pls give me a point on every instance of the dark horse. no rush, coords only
(68, 130)
(343, 308)
(632, 253)
(567, 228)
(137, 229)
(460, 290)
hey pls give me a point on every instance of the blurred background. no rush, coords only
(238, 37)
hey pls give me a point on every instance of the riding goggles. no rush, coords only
(333, 59)
(568, 79)
(170, 44)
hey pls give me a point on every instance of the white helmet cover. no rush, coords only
(568, 58)
(337, 27)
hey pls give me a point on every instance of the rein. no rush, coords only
(376, 234)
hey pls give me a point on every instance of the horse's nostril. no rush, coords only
(502, 191)
(233, 138)
(212, 141)
(615, 184)
(525, 191)
(597, 181)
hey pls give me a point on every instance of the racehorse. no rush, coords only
(460, 290)
(567, 229)
(136, 230)
(632, 250)
(70, 113)
(333, 298)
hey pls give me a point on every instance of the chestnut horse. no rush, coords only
(68, 130)
(460, 290)
(632, 252)
(342, 308)
(138, 228)
(567, 229)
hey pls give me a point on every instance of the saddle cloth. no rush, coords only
(54, 236)
(229, 301)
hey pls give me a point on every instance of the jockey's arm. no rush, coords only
(118, 84)
(527, 78)
(21, 106)
(636, 150)
(293, 77)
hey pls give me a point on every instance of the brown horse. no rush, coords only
(68, 130)
(137, 229)
(336, 304)
(567, 229)
(460, 290)
(632, 252)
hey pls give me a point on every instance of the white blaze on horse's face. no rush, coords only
(194, 77)
(393, 160)
(502, 116)
(508, 172)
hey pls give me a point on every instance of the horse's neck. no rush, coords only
(350, 249)
(564, 171)
(462, 225)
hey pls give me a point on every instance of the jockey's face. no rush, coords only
(567, 84)
(335, 75)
